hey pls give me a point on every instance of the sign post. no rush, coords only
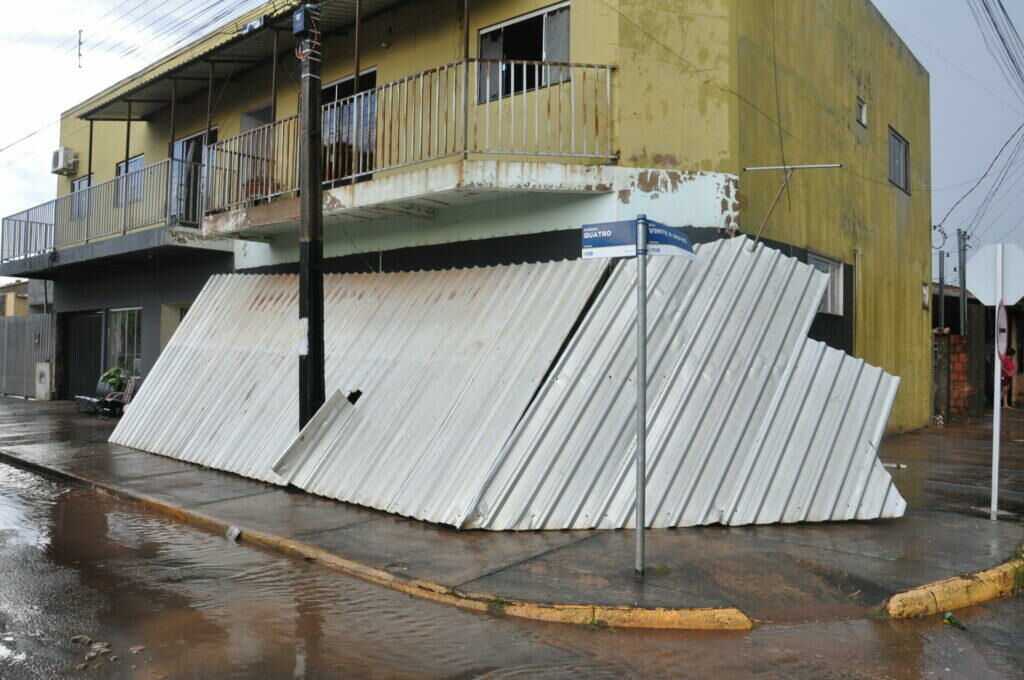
(641, 391)
(994, 283)
(637, 238)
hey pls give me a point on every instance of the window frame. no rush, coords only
(130, 191)
(832, 298)
(81, 200)
(487, 71)
(905, 146)
(136, 353)
(862, 112)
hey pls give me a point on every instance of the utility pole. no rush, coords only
(961, 246)
(306, 27)
(942, 290)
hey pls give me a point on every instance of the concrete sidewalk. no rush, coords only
(769, 573)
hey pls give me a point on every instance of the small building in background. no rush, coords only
(14, 297)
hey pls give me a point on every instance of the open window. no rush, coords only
(832, 300)
(349, 129)
(511, 53)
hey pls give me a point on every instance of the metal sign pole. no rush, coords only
(641, 388)
(997, 370)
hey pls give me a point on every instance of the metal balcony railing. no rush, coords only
(137, 199)
(478, 106)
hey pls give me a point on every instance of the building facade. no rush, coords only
(487, 132)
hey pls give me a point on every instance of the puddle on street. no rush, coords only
(76, 562)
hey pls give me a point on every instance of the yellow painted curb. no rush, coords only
(957, 592)
(709, 618)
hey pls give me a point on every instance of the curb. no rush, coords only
(710, 618)
(960, 591)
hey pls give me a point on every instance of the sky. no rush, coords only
(973, 109)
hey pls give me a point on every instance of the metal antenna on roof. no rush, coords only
(785, 185)
(79, 48)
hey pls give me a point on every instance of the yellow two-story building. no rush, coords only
(481, 132)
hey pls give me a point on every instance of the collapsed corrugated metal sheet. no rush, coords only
(483, 406)
(446, 362)
(748, 420)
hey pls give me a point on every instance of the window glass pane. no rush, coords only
(556, 35)
(898, 156)
(124, 340)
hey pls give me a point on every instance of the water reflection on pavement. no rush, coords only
(76, 562)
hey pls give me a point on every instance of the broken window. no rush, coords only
(832, 300)
(512, 53)
(862, 112)
(899, 159)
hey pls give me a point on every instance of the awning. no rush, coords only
(502, 398)
(244, 43)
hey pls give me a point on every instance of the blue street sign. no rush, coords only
(618, 239)
(665, 240)
(609, 239)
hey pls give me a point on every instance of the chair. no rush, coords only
(107, 403)
(114, 403)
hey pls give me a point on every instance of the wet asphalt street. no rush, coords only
(76, 562)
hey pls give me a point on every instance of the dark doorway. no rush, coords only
(83, 344)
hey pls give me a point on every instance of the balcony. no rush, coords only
(165, 193)
(470, 109)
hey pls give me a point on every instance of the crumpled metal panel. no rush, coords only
(484, 405)
(446, 361)
(748, 420)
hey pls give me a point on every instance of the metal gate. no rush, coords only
(83, 346)
(24, 340)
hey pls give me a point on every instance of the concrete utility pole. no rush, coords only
(961, 246)
(306, 27)
(942, 289)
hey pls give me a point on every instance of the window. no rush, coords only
(80, 199)
(124, 340)
(832, 300)
(129, 190)
(257, 118)
(862, 112)
(539, 36)
(899, 157)
(349, 127)
(187, 176)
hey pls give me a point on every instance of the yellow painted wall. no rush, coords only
(828, 54)
(14, 304)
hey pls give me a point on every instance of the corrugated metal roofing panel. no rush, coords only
(735, 392)
(446, 362)
(473, 413)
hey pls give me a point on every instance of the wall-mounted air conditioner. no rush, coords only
(64, 161)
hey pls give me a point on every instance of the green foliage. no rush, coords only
(116, 378)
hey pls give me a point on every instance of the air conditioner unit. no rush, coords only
(65, 162)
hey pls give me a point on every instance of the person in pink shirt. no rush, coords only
(1007, 376)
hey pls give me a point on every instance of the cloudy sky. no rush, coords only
(973, 108)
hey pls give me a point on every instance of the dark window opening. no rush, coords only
(510, 55)
(349, 130)
(899, 160)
